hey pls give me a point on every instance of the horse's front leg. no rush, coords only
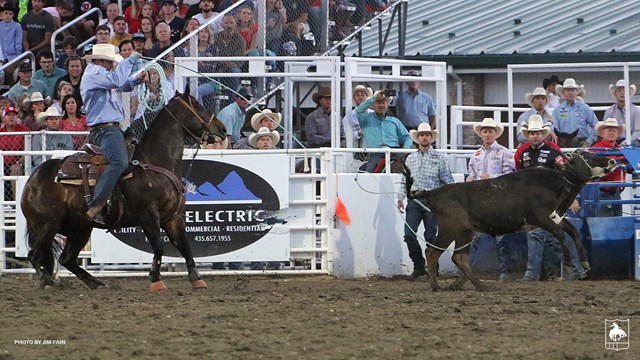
(175, 229)
(151, 228)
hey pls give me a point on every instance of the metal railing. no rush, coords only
(71, 23)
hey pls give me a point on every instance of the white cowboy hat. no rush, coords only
(264, 131)
(570, 83)
(537, 92)
(422, 128)
(102, 52)
(36, 96)
(488, 123)
(610, 122)
(362, 88)
(535, 123)
(266, 113)
(52, 111)
(621, 83)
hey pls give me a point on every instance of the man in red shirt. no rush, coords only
(13, 165)
(609, 130)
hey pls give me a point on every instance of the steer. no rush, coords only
(502, 205)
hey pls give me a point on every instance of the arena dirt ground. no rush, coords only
(314, 317)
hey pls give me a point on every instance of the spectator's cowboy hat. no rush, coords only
(610, 122)
(620, 84)
(322, 93)
(535, 124)
(263, 131)
(51, 112)
(35, 97)
(103, 52)
(570, 83)
(423, 128)
(537, 92)
(266, 113)
(553, 79)
(488, 123)
(361, 88)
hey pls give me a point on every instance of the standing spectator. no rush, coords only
(48, 73)
(538, 100)
(70, 48)
(549, 84)
(430, 170)
(415, 107)
(11, 44)
(50, 121)
(232, 115)
(247, 27)
(34, 105)
(175, 23)
(133, 14)
(26, 85)
(490, 161)
(37, 27)
(610, 130)
(276, 15)
(263, 119)
(617, 110)
(317, 125)
(75, 69)
(230, 44)
(572, 115)
(380, 130)
(13, 165)
(206, 13)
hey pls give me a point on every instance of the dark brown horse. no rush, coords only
(152, 200)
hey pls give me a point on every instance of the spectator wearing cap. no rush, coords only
(232, 115)
(50, 120)
(13, 165)
(176, 23)
(11, 43)
(205, 13)
(138, 42)
(617, 110)
(538, 100)
(415, 107)
(26, 85)
(119, 31)
(549, 84)
(610, 130)
(317, 125)
(380, 130)
(360, 93)
(49, 73)
(572, 115)
(264, 119)
(37, 27)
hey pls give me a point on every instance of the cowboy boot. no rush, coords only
(94, 213)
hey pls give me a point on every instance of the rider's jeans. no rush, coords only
(111, 140)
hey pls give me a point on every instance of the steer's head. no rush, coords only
(586, 165)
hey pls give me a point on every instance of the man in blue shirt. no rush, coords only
(416, 107)
(380, 130)
(48, 73)
(104, 113)
(232, 115)
(574, 115)
(26, 85)
(11, 40)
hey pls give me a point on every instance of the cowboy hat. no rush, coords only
(266, 113)
(570, 83)
(102, 52)
(537, 92)
(36, 96)
(488, 123)
(553, 79)
(621, 83)
(264, 131)
(52, 111)
(364, 89)
(423, 128)
(322, 92)
(535, 123)
(610, 122)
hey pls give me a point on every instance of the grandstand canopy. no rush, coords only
(489, 33)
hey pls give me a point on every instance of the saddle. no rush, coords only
(84, 168)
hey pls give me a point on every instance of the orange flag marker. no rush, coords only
(342, 213)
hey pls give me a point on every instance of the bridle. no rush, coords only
(205, 135)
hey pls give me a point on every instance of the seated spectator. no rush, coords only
(206, 48)
(163, 34)
(34, 105)
(170, 17)
(26, 85)
(119, 31)
(148, 29)
(61, 9)
(263, 139)
(103, 34)
(215, 143)
(189, 26)
(151, 11)
(64, 89)
(617, 111)
(247, 27)
(74, 120)
(75, 69)
(133, 14)
(609, 130)
(276, 15)
(50, 120)
(317, 125)
(264, 119)
(84, 29)
(155, 94)
(48, 73)
(70, 48)
(181, 8)
(138, 41)
(126, 48)
(232, 115)
(13, 164)
(230, 44)
(37, 27)
(112, 12)
(205, 12)
(224, 4)
(538, 100)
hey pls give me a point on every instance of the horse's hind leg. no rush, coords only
(175, 229)
(76, 240)
(41, 254)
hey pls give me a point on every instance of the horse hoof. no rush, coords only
(157, 286)
(199, 284)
